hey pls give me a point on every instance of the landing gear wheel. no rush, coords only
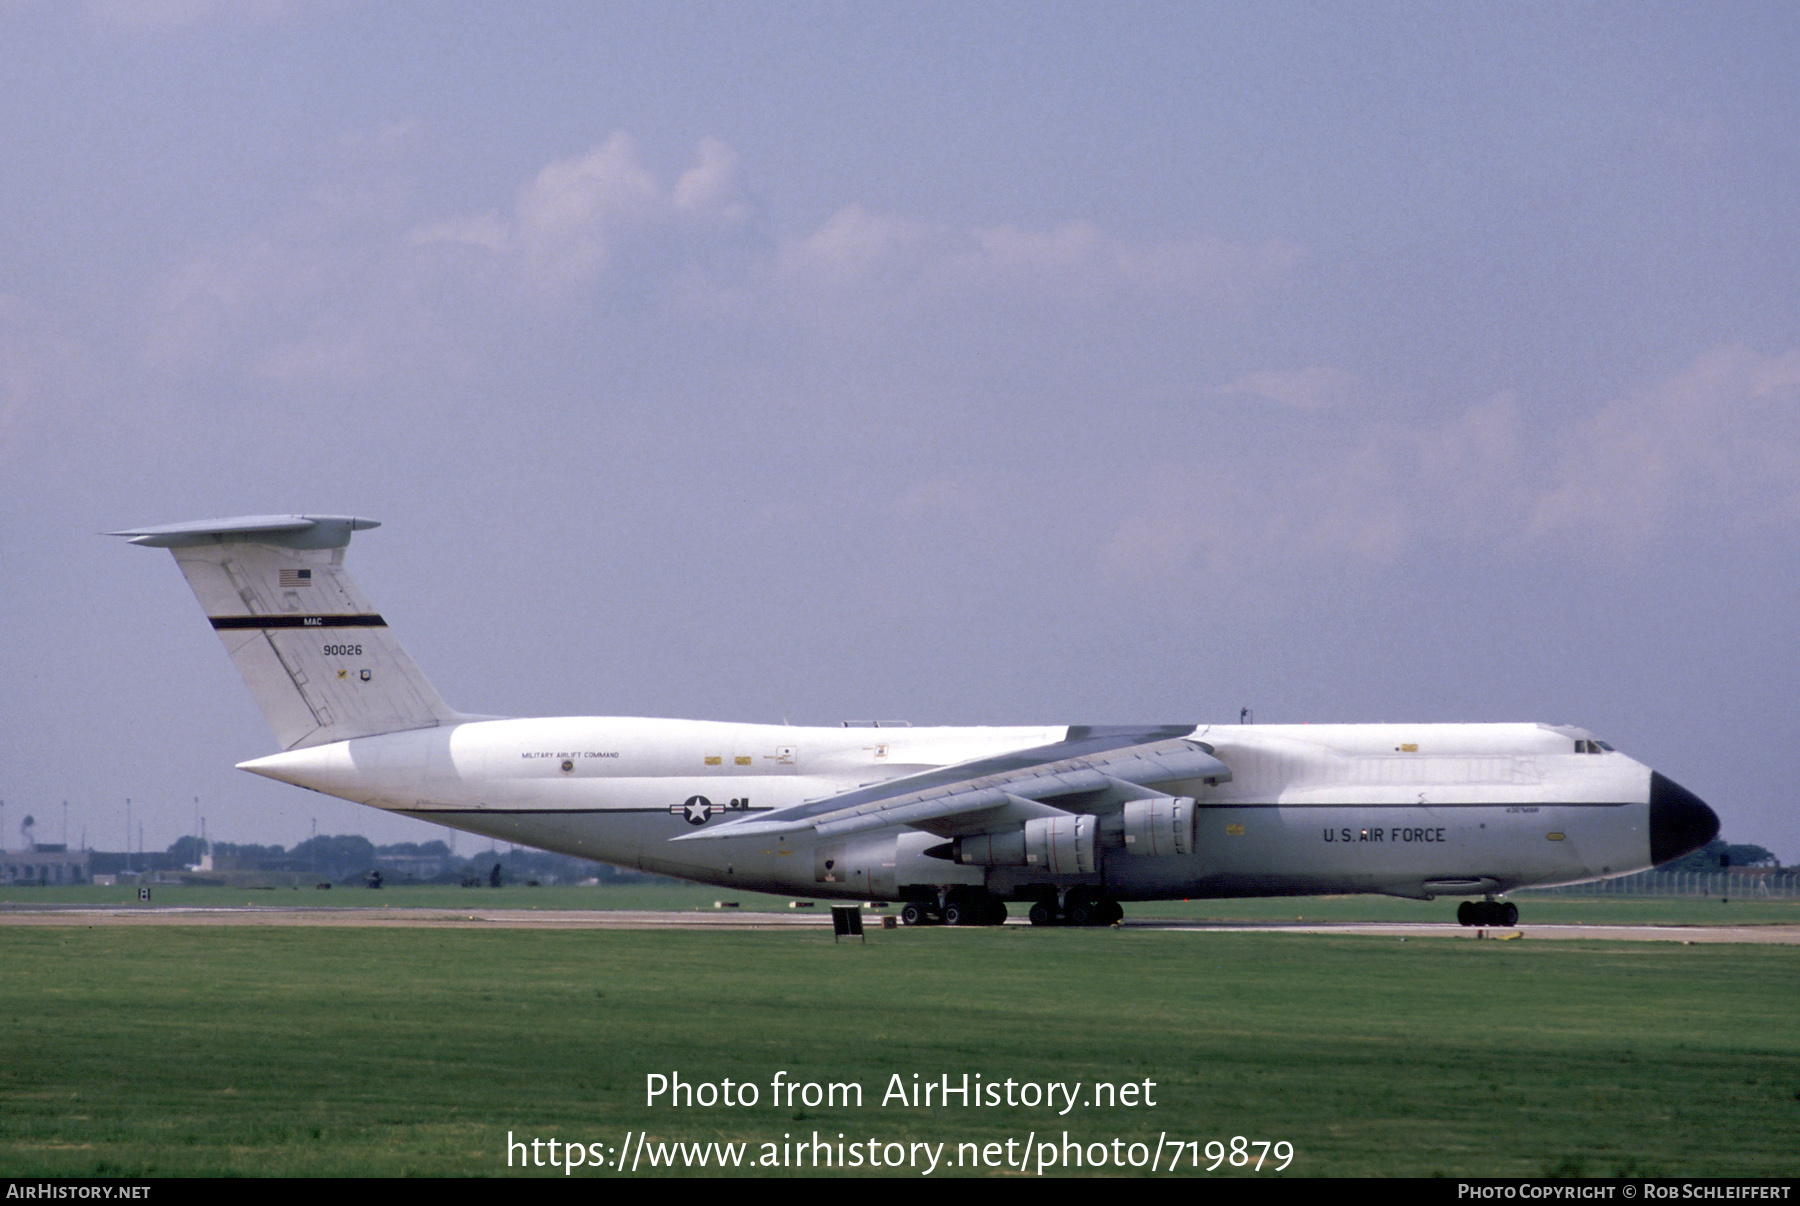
(996, 913)
(913, 913)
(1488, 913)
(966, 906)
(1082, 906)
(1043, 913)
(1094, 910)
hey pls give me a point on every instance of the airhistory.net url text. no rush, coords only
(639, 1152)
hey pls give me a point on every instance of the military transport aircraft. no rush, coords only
(1068, 820)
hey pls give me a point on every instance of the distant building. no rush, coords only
(46, 865)
(113, 862)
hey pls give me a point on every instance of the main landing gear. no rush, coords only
(1079, 907)
(957, 908)
(1487, 913)
(964, 906)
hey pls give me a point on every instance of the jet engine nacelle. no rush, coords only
(1059, 845)
(883, 866)
(992, 849)
(1163, 825)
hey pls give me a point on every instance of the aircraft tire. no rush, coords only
(1467, 912)
(913, 913)
(965, 907)
(1043, 913)
(1114, 912)
(996, 913)
(1509, 914)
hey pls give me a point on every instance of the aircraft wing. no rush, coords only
(988, 794)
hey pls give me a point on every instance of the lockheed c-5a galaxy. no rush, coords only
(1069, 821)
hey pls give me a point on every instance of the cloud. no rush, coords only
(354, 285)
(907, 262)
(1721, 438)
(1273, 515)
(356, 289)
(1078, 262)
(564, 219)
(568, 221)
(1713, 449)
(1313, 388)
(489, 232)
(855, 248)
(1366, 500)
(355, 282)
(711, 188)
(303, 305)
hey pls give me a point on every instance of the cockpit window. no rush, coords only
(1585, 746)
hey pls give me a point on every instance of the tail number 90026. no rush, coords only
(343, 651)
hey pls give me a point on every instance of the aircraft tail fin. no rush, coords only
(319, 659)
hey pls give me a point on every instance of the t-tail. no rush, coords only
(319, 659)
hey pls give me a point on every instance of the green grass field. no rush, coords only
(1593, 910)
(175, 1051)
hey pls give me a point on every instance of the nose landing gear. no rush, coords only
(1487, 913)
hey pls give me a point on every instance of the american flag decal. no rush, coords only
(295, 577)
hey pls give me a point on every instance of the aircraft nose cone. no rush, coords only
(1680, 821)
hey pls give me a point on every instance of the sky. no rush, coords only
(962, 364)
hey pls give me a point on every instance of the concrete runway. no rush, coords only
(626, 919)
(1767, 935)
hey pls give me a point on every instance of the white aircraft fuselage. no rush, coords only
(1072, 819)
(1412, 810)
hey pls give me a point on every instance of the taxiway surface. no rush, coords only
(629, 919)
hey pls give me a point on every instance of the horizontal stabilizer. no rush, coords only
(285, 531)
